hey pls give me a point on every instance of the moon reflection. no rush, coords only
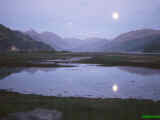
(115, 15)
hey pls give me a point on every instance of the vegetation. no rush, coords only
(124, 59)
(79, 108)
(138, 40)
(41, 59)
(17, 41)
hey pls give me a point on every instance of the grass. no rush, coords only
(118, 59)
(79, 108)
(38, 59)
(31, 59)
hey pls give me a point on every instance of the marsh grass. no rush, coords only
(38, 59)
(79, 108)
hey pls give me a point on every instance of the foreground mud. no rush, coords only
(37, 114)
(15, 106)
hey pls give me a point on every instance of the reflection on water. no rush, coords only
(141, 70)
(84, 81)
(4, 72)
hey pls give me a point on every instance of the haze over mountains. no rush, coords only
(68, 44)
(138, 40)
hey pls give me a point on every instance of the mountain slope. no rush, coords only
(93, 45)
(69, 44)
(139, 40)
(48, 38)
(9, 38)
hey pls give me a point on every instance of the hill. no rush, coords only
(69, 44)
(15, 40)
(48, 38)
(139, 40)
(144, 40)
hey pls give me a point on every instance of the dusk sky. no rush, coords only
(80, 18)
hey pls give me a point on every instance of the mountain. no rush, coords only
(12, 40)
(48, 38)
(74, 44)
(69, 44)
(139, 40)
(57, 42)
(93, 44)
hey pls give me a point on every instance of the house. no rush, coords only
(13, 48)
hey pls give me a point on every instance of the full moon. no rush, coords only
(115, 15)
(115, 88)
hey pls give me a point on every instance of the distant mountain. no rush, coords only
(139, 40)
(93, 44)
(69, 44)
(74, 44)
(57, 42)
(15, 40)
(49, 38)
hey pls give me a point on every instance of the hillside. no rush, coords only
(15, 40)
(93, 44)
(139, 40)
(69, 44)
(56, 41)
(49, 38)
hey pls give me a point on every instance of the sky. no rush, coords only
(80, 18)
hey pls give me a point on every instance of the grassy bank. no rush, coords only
(39, 59)
(31, 59)
(79, 108)
(151, 61)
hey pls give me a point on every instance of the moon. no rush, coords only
(115, 88)
(115, 15)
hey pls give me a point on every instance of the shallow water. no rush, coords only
(84, 81)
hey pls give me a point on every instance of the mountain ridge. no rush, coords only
(138, 40)
(19, 41)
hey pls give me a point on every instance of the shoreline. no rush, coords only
(53, 59)
(12, 102)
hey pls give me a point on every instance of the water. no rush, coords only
(84, 81)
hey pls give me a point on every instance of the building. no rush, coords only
(14, 48)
